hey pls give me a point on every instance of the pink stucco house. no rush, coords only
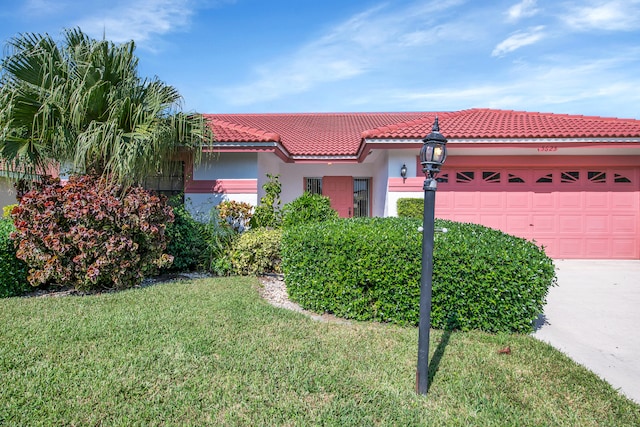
(571, 183)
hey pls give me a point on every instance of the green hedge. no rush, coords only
(186, 240)
(13, 272)
(308, 208)
(369, 269)
(410, 208)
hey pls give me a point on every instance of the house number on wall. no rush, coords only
(548, 148)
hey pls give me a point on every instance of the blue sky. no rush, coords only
(255, 56)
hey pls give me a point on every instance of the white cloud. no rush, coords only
(524, 9)
(44, 7)
(518, 40)
(561, 84)
(139, 20)
(351, 48)
(617, 15)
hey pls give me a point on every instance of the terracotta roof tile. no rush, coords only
(341, 134)
(505, 124)
(229, 131)
(306, 134)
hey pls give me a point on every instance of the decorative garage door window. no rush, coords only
(468, 179)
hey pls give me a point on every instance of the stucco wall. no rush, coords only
(226, 166)
(397, 158)
(200, 196)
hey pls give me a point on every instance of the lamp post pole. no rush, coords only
(432, 156)
(424, 326)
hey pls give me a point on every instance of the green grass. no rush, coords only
(211, 352)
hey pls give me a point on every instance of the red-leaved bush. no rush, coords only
(90, 233)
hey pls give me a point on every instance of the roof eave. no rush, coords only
(250, 146)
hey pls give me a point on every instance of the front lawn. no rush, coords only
(211, 352)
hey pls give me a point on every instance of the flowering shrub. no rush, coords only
(236, 214)
(90, 233)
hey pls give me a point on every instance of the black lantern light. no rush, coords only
(433, 152)
(403, 171)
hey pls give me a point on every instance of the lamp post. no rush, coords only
(432, 156)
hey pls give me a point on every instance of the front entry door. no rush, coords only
(339, 189)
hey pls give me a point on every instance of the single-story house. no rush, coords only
(569, 182)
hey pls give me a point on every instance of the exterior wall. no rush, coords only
(226, 166)
(379, 184)
(402, 188)
(292, 176)
(220, 177)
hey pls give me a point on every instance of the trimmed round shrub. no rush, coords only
(257, 251)
(369, 269)
(13, 271)
(90, 233)
(306, 209)
(410, 208)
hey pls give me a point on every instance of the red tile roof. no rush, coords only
(342, 134)
(324, 134)
(504, 124)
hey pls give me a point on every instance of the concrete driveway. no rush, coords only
(593, 316)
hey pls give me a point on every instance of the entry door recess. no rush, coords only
(339, 189)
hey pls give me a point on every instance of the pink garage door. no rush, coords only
(573, 212)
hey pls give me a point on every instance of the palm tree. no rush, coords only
(81, 104)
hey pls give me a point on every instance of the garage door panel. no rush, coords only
(596, 200)
(465, 200)
(493, 221)
(624, 247)
(624, 224)
(444, 200)
(520, 200)
(492, 200)
(624, 200)
(519, 225)
(597, 247)
(543, 201)
(570, 201)
(544, 223)
(570, 247)
(597, 224)
(570, 223)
